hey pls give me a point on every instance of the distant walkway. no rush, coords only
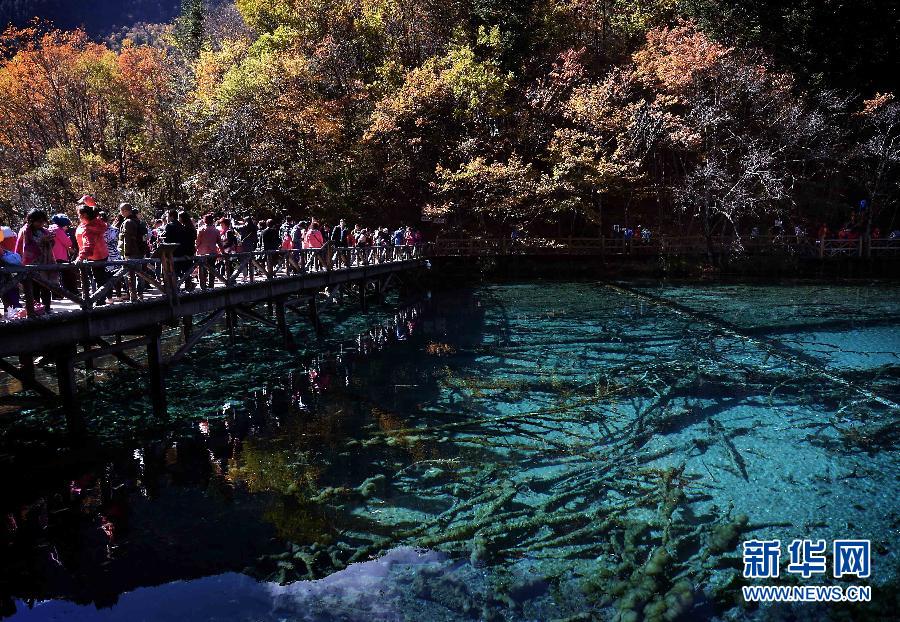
(663, 246)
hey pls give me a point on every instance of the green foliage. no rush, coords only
(189, 27)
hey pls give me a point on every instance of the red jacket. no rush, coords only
(91, 238)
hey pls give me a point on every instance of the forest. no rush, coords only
(551, 116)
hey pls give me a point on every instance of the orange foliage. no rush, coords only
(872, 106)
(673, 57)
(77, 106)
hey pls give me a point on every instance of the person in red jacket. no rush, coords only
(91, 237)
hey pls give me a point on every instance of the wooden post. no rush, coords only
(26, 361)
(157, 372)
(363, 303)
(89, 362)
(314, 315)
(86, 291)
(187, 327)
(166, 254)
(281, 320)
(28, 288)
(65, 377)
(379, 291)
(230, 325)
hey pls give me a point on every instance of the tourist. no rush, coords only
(297, 235)
(284, 232)
(269, 236)
(62, 243)
(35, 246)
(9, 258)
(313, 240)
(156, 234)
(62, 250)
(188, 246)
(400, 236)
(91, 239)
(260, 227)
(270, 240)
(248, 234)
(132, 234)
(313, 237)
(209, 243)
(287, 242)
(133, 245)
(112, 245)
(338, 238)
(176, 234)
(230, 242)
(339, 234)
(112, 241)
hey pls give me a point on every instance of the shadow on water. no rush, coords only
(550, 450)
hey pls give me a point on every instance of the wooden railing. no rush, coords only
(665, 245)
(88, 285)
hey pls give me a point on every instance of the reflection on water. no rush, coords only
(560, 449)
(373, 590)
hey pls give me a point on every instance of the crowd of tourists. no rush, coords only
(102, 236)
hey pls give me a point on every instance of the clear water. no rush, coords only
(515, 452)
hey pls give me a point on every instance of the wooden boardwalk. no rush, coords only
(151, 294)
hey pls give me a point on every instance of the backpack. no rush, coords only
(11, 259)
(144, 234)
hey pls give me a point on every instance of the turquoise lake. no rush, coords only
(537, 451)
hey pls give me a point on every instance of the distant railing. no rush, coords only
(89, 284)
(801, 246)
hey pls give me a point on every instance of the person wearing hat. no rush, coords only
(88, 200)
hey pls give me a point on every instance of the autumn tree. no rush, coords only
(741, 131)
(442, 115)
(76, 116)
(876, 157)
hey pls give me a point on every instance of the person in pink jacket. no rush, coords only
(62, 250)
(35, 245)
(313, 237)
(209, 242)
(62, 243)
